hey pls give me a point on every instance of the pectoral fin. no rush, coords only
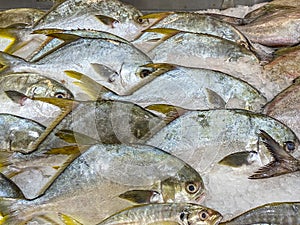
(109, 21)
(87, 84)
(75, 137)
(166, 32)
(68, 220)
(139, 196)
(214, 99)
(238, 159)
(169, 111)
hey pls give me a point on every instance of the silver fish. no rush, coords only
(189, 88)
(189, 22)
(112, 16)
(166, 213)
(134, 174)
(116, 65)
(273, 213)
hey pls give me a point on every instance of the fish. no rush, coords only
(112, 16)
(188, 88)
(17, 133)
(285, 106)
(54, 42)
(108, 121)
(26, 16)
(189, 22)
(284, 65)
(176, 213)
(204, 137)
(280, 28)
(116, 65)
(135, 174)
(206, 51)
(34, 85)
(283, 162)
(272, 213)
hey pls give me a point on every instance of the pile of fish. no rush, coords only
(111, 116)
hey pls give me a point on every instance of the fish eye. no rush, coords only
(203, 215)
(182, 216)
(141, 20)
(59, 95)
(289, 146)
(191, 188)
(145, 73)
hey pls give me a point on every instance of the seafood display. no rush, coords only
(111, 115)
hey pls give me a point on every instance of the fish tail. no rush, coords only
(9, 61)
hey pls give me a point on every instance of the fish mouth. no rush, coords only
(217, 219)
(200, 198)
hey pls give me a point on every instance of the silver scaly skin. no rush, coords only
(160, 214)
(104, 188)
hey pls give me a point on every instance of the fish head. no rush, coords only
(45, 87)
(199, 215)
(123, 20)
(142, 74)
(185, 186)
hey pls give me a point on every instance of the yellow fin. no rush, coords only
(139, 196)
(167, 32)
(169, 111)
(109, 21)
(87, 84)
(68, 220)
(66, 150)
(158, 16)
(65, 37)
(75, 137)
(47, 31)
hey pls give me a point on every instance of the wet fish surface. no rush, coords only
(117, 65)
(165, 213)
(134, 174)
(277, 213)
(189, 88)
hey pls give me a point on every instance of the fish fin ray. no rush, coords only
(214, 99)
(87, 84)
(108, 21)
(138, 196)
(68, 220)
(169, 111)
(270, 170)
(75, 137)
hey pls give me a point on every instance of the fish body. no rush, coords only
(203, 138)
(34, 85)
(18, 133)
(110, 122)
(107, 15)
(285, 107)
(190, 22)
(54, 41)
(191, 88)
(26, 16)
(165, 213)
(206, 136)
(273, 213)
(114, 64)
(284, 66)
(111, 175)
(280, 29)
